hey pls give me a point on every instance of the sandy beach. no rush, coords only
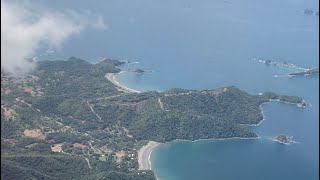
(111, 78)
(144, 155)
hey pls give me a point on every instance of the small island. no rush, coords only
(283, 139)
(267, 62)
(140, 71)
(310, 71)
(308, 11)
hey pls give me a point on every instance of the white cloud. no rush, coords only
(25, 26)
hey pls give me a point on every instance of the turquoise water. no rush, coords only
(208, 44)
(247, 159)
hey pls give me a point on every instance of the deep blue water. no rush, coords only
(213, 43)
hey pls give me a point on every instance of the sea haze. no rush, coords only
(208, 44)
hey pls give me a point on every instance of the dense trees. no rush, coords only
(32, 166)
(75, 110)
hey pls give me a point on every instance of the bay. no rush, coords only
(209, 44)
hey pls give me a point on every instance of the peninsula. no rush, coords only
(73, 117)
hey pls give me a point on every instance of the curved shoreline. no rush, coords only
(217, 139)
(112, 78)
(144, 155)
(145, 151)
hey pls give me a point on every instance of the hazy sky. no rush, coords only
(26, 25)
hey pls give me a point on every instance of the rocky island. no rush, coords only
(308, 11)
(268, 62)
(310, 71)
(283, 139)
(69, 117)
(139, 71)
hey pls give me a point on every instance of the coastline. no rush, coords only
(299, 105)
(215, 139)
(111, 78)
(144, 155)
(263, 117)
(145, 151)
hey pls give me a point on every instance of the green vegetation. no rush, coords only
(265, 97)
(31, 166)
(67, 121)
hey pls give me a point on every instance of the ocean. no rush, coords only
(209, 44)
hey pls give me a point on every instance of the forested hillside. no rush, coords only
(67, 121)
